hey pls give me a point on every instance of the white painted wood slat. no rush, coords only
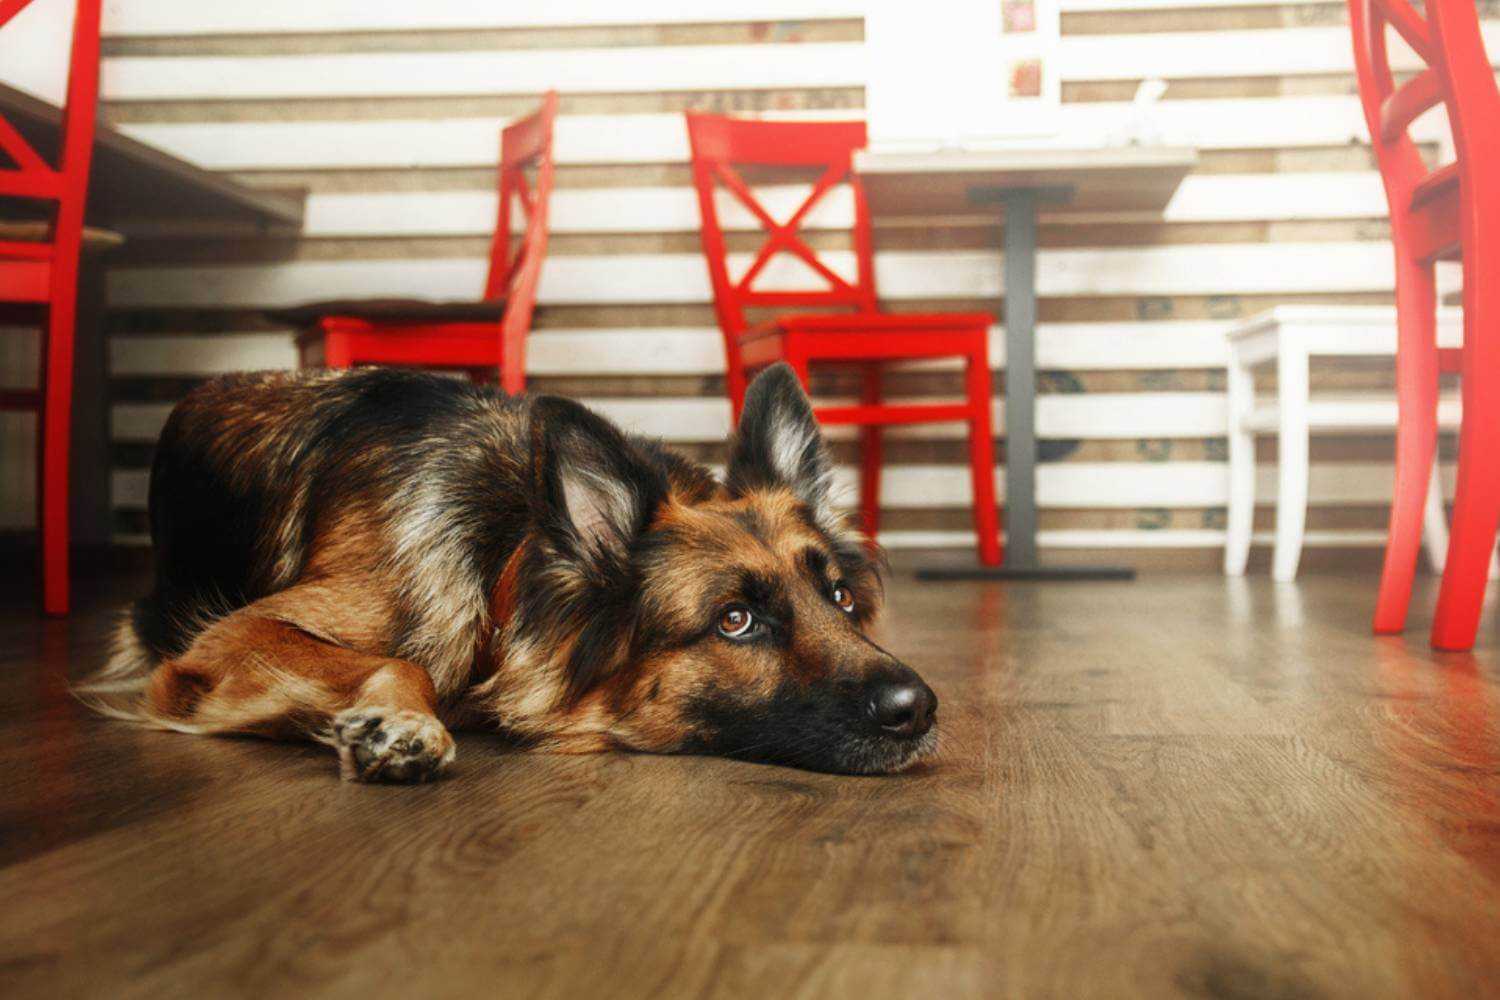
(626, 69)
(1201, 198)
(1096, 416)
(193, 17)
(1077, 538)
(166, 357)
(1060, 486)
(1217, 123)
(1279, 52)
(1174, 55)
(128, 18)
(1124, 538)
(1190, 269)
(691, 351)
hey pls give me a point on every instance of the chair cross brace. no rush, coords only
(783, 236)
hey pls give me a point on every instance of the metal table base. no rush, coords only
(1020, 513)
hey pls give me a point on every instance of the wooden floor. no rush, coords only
(1180, 786)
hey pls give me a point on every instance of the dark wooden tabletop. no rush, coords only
(1186, 786)
(130, 179)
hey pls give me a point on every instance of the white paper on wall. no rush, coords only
(961, 72)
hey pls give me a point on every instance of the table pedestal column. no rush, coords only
(1020, 514)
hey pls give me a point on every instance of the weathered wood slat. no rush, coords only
(1218, 268)
(629, 69)
(1095, 415)
(1282, 52)
(1076, 485)
(1132, 538)
(189, 17)
(185, 17)
(1201, 198)
(1220, 123)
(691, 351)
(1066, 538)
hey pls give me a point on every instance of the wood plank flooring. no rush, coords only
(1181, 786)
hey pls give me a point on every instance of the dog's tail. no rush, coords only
(117, 690)
(121, 688)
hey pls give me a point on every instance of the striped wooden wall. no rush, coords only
(387, 115)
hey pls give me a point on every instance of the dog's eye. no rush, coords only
(844, 598)
(736, 623)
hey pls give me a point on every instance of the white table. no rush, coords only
(1286, 339)
(952, 186)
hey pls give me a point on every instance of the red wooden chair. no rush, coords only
(860, 335)
(40, 277)
(480, 336)
(1453, 212)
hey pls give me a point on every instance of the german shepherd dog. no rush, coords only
(366, 558)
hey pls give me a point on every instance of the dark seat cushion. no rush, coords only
(392, 311)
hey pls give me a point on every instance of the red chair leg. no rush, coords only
(871, 458)
(513, 366)
(56, 429)
(1416, 438)
(982, 459)
(1476, 504)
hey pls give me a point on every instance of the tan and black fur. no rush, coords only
(370, 557)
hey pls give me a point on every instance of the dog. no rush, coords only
(370, 557)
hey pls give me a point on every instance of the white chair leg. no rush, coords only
(1435, 523)
(1435, 528)
(1241, 520)
(1291, 500)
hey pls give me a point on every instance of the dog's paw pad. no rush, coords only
(390, 744)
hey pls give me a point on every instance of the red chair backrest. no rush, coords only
(516, 265)
(28, 175)
(1458, 74)
(718, 144)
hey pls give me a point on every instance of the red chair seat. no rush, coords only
(485, 335)
(393, 311)
(1441, 183)
(341, 341)
(865, 337)
(1435, 233)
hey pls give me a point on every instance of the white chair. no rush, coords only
(1288, 337)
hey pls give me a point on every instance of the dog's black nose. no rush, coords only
(905, 708)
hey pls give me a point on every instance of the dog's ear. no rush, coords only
(779, 443)
(595, 492)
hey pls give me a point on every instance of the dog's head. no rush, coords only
(727, 618)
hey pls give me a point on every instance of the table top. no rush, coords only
(968, 182)
(130, 179)
(1328, 331)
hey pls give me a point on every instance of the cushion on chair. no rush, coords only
(392, 311)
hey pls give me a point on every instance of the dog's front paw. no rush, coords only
(390, 744)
